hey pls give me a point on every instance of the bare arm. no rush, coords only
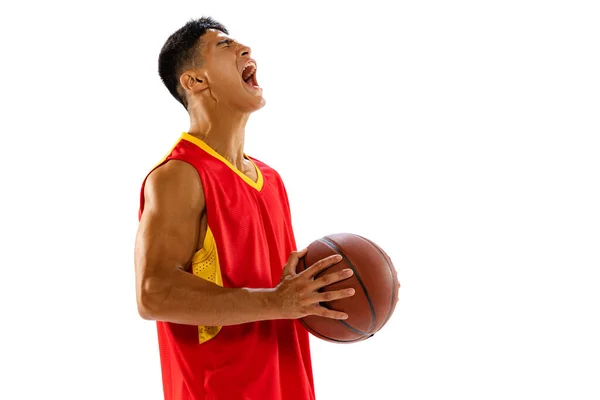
(165, 243)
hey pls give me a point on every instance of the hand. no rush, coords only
(297, 295)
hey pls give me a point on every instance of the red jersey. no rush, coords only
(249, 239)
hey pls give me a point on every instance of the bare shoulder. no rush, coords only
(172, 187)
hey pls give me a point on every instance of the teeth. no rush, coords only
(249, 70)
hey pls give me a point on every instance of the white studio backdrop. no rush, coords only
(462, 137)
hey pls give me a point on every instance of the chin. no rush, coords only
(263, 102)
(252, 103)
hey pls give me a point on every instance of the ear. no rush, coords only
(193, 82)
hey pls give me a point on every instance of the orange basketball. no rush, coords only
(375, 281)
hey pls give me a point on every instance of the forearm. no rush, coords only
(187, 299)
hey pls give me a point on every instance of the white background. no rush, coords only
(461, 136)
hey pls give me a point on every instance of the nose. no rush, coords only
(245, 51)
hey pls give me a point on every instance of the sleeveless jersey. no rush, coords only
(248, 241)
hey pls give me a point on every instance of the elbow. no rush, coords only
(144, 310)
(150, 297)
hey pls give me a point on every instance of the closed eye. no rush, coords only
(225, 43)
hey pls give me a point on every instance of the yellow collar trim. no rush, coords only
(198, 142)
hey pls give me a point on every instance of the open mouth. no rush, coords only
(249, 74)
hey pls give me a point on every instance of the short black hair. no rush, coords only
(180, 49)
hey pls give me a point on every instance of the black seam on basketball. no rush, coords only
(348, 326)
(385, 259)
(335, 247)
(309, 328)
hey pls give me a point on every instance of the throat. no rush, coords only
(249, 170)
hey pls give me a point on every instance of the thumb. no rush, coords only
(292, 263)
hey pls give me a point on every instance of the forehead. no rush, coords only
(213, 36)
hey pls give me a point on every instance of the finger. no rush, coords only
(290, 266)
(332, 295)
(328, 279)
(296, 255)
(332, 314)
(301, 253)
(321, 265)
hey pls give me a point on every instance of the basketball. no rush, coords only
(375, 282)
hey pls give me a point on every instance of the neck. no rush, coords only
(222, 130)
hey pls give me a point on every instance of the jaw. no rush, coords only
(254, 102)
(245, 99)
(233, 95)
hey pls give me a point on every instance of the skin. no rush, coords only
(173, 224)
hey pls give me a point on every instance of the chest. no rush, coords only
(252, 230)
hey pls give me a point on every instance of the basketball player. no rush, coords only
(215, 252)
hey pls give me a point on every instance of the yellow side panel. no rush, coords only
(205, 264)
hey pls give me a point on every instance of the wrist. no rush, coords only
(266, 302)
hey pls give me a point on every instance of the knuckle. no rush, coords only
(328, 261)
(331, 260)
(326, 280)
(318, 265)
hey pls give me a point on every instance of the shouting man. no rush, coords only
(215, 254)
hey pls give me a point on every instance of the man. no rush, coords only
(215, 252)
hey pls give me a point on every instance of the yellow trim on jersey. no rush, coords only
(162, 160)
(256, 185)
(205, 264)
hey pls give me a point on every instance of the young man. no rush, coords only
(215, 252)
